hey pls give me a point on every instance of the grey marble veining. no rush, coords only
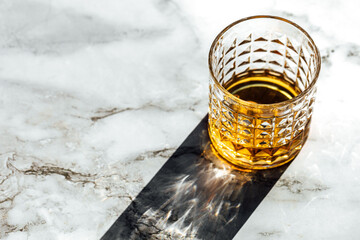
(96, 95)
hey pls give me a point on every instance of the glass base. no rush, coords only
(253, 162)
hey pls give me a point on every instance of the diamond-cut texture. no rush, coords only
(273, 127)
(263, 132)
(274, 51)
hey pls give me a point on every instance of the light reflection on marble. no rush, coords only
(96, 95)
(198, 201)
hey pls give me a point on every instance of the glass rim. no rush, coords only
(261, 105)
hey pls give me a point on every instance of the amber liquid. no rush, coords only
(263, 89)
(250, 145)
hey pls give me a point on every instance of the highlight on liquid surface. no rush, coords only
(262, 88)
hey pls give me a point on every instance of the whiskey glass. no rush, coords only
(277, 64)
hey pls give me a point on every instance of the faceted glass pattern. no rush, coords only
(260, 136)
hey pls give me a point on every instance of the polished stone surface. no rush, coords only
(195, 195)
(97, 95)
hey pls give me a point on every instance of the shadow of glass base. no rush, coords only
(195, 195)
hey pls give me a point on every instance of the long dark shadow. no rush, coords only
(195, 195)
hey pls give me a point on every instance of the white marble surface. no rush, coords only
(96, 95)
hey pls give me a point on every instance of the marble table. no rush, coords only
(97, 95)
